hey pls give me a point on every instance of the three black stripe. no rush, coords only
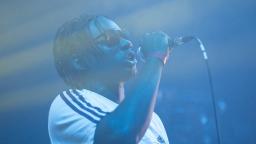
(82, 106)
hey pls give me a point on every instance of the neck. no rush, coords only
(112, 91)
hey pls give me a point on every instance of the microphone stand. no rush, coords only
(180, 41)
(211, 89)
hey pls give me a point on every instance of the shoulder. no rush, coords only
(75, 102)
(74, 111)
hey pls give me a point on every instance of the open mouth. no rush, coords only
(132, 62)
(131, 59)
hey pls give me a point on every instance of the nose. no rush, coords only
(125, 44)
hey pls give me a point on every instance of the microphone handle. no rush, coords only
(171, 42)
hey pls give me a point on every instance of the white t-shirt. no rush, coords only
(74, 114)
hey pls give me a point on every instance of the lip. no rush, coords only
(130, 59)
(130, 62)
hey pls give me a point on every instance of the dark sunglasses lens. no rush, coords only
(112, 39)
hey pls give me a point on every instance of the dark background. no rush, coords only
(29, 82)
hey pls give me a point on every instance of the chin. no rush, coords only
(127, 73)
(131, 73)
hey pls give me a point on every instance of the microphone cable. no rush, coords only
(209, 74)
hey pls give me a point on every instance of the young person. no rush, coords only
(95, 58)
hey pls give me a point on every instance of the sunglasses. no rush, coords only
(111, 37)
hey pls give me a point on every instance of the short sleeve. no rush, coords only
(72, 119)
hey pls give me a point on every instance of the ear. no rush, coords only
(76, 63)
(82, 63)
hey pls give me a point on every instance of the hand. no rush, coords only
(156, 45)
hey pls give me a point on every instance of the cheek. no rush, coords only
(105, 49)
(115, 56)
(106, 53)
(119, 56)
(112, 55)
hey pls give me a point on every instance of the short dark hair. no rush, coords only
(73, 40)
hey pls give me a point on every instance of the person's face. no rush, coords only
(118, 57)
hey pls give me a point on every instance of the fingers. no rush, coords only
(155, 41)
(156, 44)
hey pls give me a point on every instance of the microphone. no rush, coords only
(171, 42)
(185, 39)
(180, 41)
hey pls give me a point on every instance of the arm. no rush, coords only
(130, 120)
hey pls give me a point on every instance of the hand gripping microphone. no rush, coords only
(173, 43)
